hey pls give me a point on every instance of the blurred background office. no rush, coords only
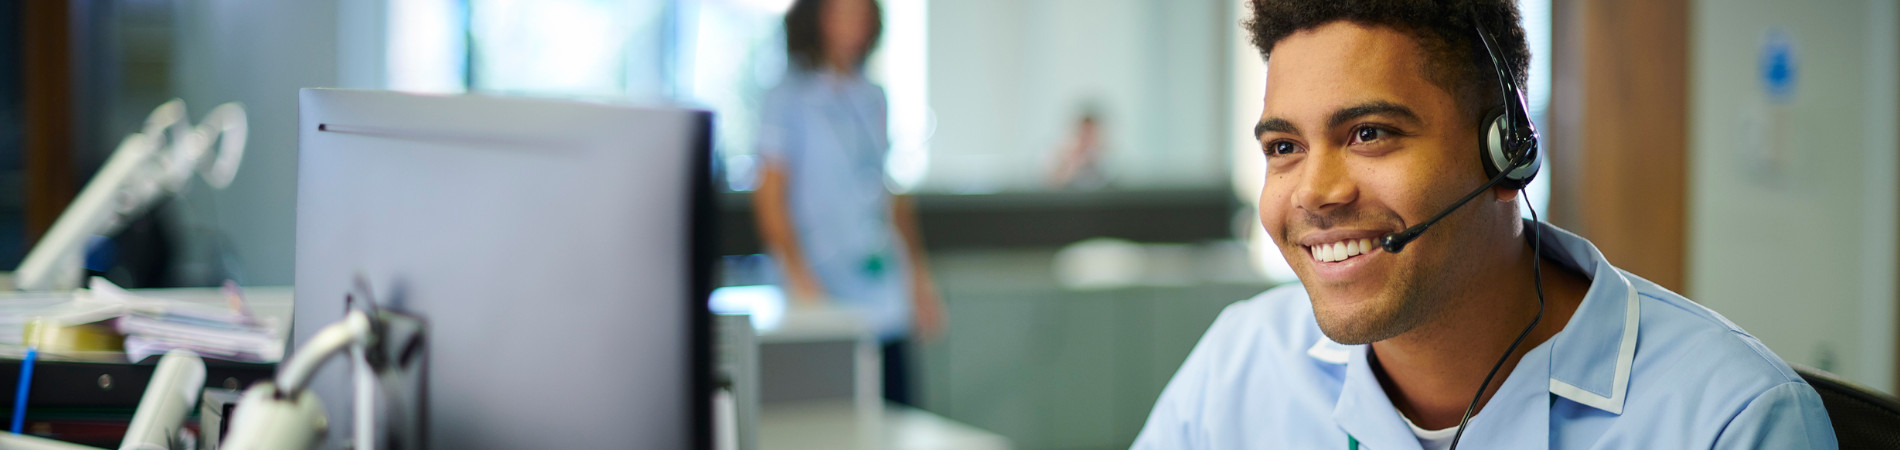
(1745, 153)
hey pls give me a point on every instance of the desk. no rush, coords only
(835, 424)
(821, 374)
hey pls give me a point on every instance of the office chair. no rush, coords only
(1862, 417)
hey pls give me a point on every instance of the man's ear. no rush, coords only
(1504, 194)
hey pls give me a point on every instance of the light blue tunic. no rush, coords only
(829, 134)
(1637, 366)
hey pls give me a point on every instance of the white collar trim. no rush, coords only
(1328, 351)
(1625, 356)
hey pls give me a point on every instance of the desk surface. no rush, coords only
(829, 424)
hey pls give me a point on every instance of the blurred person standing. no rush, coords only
(824, 208)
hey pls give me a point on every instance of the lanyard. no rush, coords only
(1352, 443)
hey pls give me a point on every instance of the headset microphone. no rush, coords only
(1394, 242)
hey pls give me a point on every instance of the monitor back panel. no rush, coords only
(549, 246)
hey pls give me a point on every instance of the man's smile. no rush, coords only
(1340, 254)
(1341, 250)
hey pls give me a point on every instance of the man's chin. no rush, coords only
(1357, 321)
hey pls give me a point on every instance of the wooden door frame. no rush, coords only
(1618, 138)
(46, 97)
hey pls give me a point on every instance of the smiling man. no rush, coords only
(1389, 121)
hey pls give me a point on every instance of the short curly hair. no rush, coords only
(1456, 60)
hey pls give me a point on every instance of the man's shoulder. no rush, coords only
(1682, 340)
(1708, 379)
(1254, 363)
(1275, 324)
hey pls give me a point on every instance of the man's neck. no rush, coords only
(1431, 372)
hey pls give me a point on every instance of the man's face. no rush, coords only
(1360, 144)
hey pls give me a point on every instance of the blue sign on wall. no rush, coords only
(1779, 68)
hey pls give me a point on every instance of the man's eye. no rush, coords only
(1278, 148)
(1368, 134)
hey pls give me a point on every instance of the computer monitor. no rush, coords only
(559, 253)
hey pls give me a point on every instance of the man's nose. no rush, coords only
(1325, 183)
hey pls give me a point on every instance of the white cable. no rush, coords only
(333, 339)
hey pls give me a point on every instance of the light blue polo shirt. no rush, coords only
(1637, 366)
(829, 133)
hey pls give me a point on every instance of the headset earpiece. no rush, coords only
(1522, 163)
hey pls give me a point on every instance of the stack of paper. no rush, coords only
(152, 326)
(155, 326)
(147, 335)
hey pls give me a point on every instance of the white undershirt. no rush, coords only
(1432, 439)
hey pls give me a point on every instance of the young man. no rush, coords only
(1372, 121)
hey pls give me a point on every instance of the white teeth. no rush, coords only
(1339, 251)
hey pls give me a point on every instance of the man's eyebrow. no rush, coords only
(1277, 125)
(1373, 108)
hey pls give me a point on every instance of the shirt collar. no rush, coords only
(1364, 411)
(1590, 359)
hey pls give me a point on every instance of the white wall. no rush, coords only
(1792, 204)
(1008, 79)
(260, 53)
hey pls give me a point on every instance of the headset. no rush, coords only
(1509, 152)
(1510, 144)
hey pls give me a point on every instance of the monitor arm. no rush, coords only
(145, 168)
